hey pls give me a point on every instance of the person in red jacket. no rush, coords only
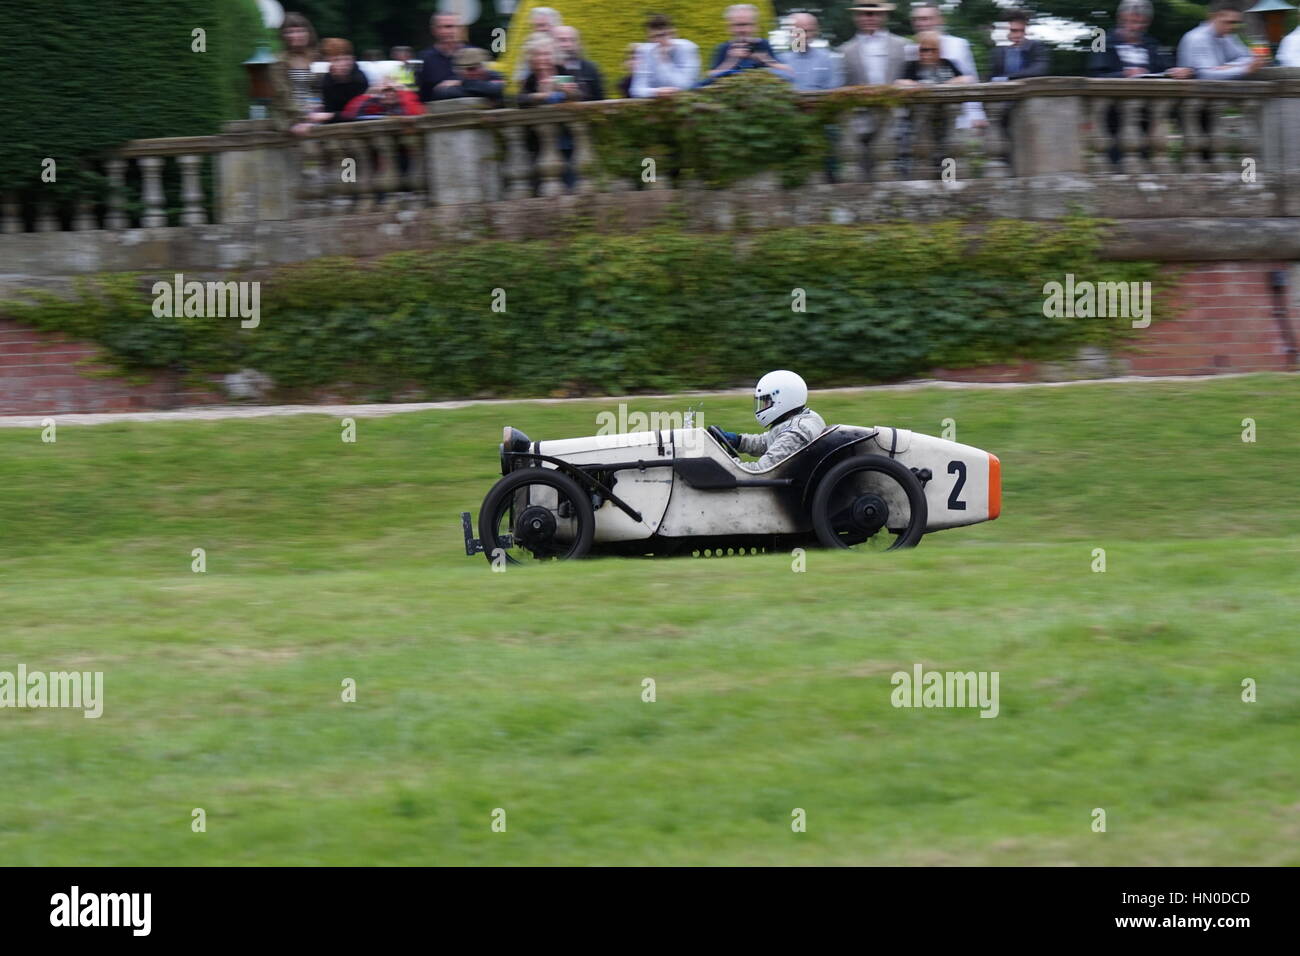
(385, 98)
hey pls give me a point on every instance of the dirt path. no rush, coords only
(220, 412)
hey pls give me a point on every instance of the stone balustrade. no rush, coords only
(460, 153)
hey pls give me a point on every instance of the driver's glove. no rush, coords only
(732, 438)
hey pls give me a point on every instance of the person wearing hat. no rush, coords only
(471, 77)
(874, 57)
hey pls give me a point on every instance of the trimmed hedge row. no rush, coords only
(654, 310)
(85, 78)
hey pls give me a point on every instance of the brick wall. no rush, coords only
(41, 372)
(1225, 324)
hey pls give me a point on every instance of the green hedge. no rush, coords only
(84, 78)
(653, 310)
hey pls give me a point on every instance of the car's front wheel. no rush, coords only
(536, 514)
(870, 503)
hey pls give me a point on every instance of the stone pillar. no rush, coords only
(1279, 121)
(1047, 128)
(257, 174)
(457, 151)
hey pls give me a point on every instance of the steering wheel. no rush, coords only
(716, 432)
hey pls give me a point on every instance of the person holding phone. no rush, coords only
(746, 50)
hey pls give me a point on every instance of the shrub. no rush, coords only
(660, 309)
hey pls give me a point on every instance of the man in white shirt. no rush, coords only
(1288, 51)
(954, 49)
(665, 65)
(1213, 50)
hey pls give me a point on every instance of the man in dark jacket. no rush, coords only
(437, 63)
(473, 78)
(746, 50)
(1024, 57)
(1129, 52)
(569, 62)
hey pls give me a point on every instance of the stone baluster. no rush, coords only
(155, 213)
(923, 120)
(362, 149)
(884, 145)
(83, 220)
(192, 211)
(550, 164)
(995, 140)
(11, 220)
(46, 220)
(386, 179)
(1193, 135)
(1158, 135)
(311, 177)
(1218, 138)
(1098, 108)
(116, 217)
(849, 147)
(518, 166)
(415, 184)
(1129, 138)
(584, 158)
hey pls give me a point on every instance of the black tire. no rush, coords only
(511, 497)
(850, 487)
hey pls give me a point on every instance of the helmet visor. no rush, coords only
(762, 403)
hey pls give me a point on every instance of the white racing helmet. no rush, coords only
(777, 394)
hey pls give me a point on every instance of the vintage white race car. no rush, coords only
(681, 490)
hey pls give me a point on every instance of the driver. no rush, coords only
(780, 404)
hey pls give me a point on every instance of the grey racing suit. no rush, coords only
(781, 440)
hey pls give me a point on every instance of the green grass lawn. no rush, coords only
(325, 560)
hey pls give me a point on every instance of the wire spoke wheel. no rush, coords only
(536, 514)
(869, 503)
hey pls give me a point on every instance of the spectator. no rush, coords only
(1130, 51)
(955, 50)
(631, 59)
(1022, 57)
(386, 98)
(542, 21)
(437, 67)
(542, 86)
(745, 50)
(568, 61)
(665, 65)
(930, 68)
(296, 86)
(874, 57)
(473, 78)
(1212, 50)
(1288, 51)
(404, 73)
(813, 67)
(342, 84)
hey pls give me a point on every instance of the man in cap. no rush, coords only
(472, 78)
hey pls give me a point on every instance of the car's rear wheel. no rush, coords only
(536, 514)
(869, 503)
